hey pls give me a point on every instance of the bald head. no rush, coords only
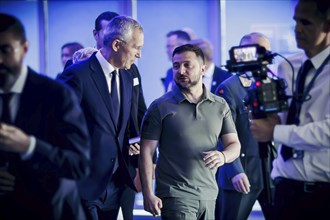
(255, 38)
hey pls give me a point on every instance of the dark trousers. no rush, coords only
(106, 207)
(235, 205)
(127, 203)
(187, 209)
(301, 200)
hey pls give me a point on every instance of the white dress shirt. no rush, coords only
(17, 89)
(313, 134)
(107, 70)
(208, 76)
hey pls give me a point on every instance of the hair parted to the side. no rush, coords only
(180, 34)
(107, 15)
(120, 27)
(323, 7)
(190, 48)
(72, 46)
(13, 25)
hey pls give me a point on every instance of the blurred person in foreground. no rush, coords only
(242, 183)
(44, 141)
(301, 171)
(186, 123)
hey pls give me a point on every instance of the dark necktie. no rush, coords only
(294, 109)
(6, 118)
(114, 96)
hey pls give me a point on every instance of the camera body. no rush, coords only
(266, 95)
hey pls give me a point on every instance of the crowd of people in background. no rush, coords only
(82, 145)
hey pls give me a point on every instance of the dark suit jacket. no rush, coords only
(249, 161)
(138, 106)
(167, 79)
(138, 109)
(219, 75)
(108, 141)
(49, 111)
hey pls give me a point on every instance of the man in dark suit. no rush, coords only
(244, 181)
(44, 141)
(105, 90)
(101, 22)
(139, 108)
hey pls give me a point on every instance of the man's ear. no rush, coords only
(116, 45)
(25, 46)
(95, 34)
(203, 69)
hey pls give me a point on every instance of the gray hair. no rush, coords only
(256, 38)
(120, 27)
(83, 54)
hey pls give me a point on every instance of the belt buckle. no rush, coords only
(298, 154)
(309, 187)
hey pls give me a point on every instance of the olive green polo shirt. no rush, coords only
(184, 131)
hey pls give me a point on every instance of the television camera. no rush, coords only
(266, 94)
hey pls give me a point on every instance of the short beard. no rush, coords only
(188, 86)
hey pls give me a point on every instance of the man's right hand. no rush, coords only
(7, 182)
(241, 183)
(152, 204)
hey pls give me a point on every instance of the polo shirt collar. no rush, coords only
(179, 97)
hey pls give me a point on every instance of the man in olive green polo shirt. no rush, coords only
(186, 124)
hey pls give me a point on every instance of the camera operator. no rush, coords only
(241, 182)
(302, 169)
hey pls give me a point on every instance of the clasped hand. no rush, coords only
(134, 149)
(13, 139)
(7, 181)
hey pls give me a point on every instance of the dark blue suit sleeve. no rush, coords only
(235, 167)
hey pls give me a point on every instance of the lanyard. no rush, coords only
(310, 85)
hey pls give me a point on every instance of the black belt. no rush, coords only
(307, 187)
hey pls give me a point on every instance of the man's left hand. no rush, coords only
(13, 139)
(213, 159)
(263, 129)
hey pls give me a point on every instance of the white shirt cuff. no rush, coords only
(28, 154)
(282, 133)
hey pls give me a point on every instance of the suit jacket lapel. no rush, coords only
(102, 86)
(28, 100)
(126, 85)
